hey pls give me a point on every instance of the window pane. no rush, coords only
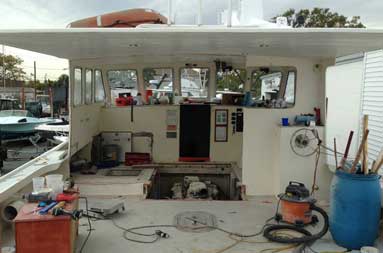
(123, 81)
(88, 86)
(273, 87)
(159, 81)
(290, 88)
(194, 82)
(265, 85)
(77, 96)
(231, 81)
(99, 91)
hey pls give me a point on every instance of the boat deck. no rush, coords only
(246, 217)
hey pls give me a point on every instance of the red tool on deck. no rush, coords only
(66, 197)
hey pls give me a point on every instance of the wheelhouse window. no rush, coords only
(88, 86)
(99, 90)
(194, 82)
(273, 87)
(290, 88)
(123, 81)
(158, 82)
(230, 81)
(77, 94)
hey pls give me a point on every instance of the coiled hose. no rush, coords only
(307, 237)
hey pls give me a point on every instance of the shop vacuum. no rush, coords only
(296, 212)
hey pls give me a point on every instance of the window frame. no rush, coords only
(244, 84)
(74, 86)
(295, 85)
(134, 69)
(284, 70)
(123, 69)
(91, 86)
(172, 69)
(103, 86)
(208, 82)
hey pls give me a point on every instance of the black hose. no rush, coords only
(308, 237)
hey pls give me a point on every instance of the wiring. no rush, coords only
(314, 251)
(89, 223)
(133, 229)
(317, 157)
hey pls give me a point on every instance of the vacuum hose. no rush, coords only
(270, 234)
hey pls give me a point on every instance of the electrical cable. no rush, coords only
(317, 157)
(314, 251)
(132, 231)
(307, 236)
(89, 223)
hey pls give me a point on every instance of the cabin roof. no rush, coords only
(88, 43)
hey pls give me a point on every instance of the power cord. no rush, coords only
(157, 234)
(89, 224)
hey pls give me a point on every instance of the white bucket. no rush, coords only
(38, 183)
(55, 182)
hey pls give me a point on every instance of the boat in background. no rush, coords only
(9, 104)
(56, 132)
(16, 124)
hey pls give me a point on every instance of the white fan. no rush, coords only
(305, 142)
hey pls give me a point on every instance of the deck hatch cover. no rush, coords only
(195, 222)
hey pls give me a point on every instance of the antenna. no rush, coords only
(229, 13)
(4, 67)
(199, 13)
(170, 5)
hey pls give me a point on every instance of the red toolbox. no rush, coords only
(137, 158)
(35, 233)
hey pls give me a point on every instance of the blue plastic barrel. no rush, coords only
(355, 209)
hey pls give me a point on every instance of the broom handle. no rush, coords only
(342, 162)
(365, 147)
(360, 150)
(336, 154)
(378, 163)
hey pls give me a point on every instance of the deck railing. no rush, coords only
(21, 177)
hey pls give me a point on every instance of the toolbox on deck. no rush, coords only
(35, 233)
(137, 158)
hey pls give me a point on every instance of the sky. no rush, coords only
(59, 13)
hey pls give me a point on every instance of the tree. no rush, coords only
(233, 80)
(320, 17)
(13, 69)
(63, 80)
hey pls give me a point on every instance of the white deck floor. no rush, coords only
(244, 217)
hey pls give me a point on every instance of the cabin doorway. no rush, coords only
(194, 133)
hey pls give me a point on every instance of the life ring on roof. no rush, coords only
(128, 18)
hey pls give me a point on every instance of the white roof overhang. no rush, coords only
(88, 43)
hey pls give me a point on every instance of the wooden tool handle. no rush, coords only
(335, 154)
(342, 162)
(365, 147)
(360, 150)
(378, 163)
